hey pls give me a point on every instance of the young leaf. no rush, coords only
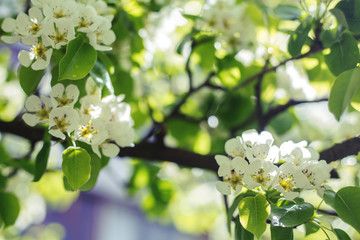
(346, 205)
(42, 158)
(342, 235)
(76, 166)
(253, 213)
(235, 205)
(344, 55)
(79, 59)
(96, 165)
(241, 233)
(298, 38)
(29, 79)
(291, 215)
(329, 197)
(9, 208)
(281, 233)
(343, 90)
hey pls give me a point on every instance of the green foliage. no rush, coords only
(29, 79)
(287, 12)
(9, 208)
(42, 158)
(291, 214)
(298, 38)
(101, 76)
(253, 214)
(346, 204)
(344, 54)
(241, 233)
(341, 234)
(72, 65)
(344, 88)
(281, 233)
(76, 166)
(350, 8)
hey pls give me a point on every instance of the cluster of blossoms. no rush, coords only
(253, 161)
(98, 122)
(228, 19)
(51, 24)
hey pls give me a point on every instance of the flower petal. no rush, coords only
(110, 149)
(33, 103)
(25, 58)
(223, 187)
(31, 119)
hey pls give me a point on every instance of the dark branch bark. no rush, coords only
(157, 152)
(341, 150)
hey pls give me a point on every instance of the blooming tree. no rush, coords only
(204, 84)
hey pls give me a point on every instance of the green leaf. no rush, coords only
(9, 208)
(96, 166)
(340, 17)
(311, 227)
(281, 233)
(101, 76)
(79, 59)
(346, 205)
(351, 10)
(298, 38)
(235, 205)
(76, 166)
(342, 235)
(253, 213)
(328, 38)
(291, 215)
(287, 12)
(42, 158)
(343, 90)
(241, 233)
(29, 79)
(344, 55)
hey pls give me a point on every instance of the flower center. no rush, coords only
(43, 113)
(39, 51)
(260, 178)
(59, 37)
(287, 183)
(63, 101)
(84, 23)
(59, 14)
(235, 180)
(61, 123)
(35, 27)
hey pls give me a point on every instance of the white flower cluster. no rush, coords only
(251, 163)
(98, 122)
(227, 18)
(51, 24)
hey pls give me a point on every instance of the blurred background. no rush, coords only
(133, 199)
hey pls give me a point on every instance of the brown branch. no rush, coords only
(157, 152)
(341, 150)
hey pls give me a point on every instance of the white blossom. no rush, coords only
(87, 19)
(63, 120)
(260, 173)
(61, 32)
(232, 172)
(234, 147)
(102, 36)
(56, 10)
(9, 26)
(61, 98)
(38, 110)
(289, 180)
